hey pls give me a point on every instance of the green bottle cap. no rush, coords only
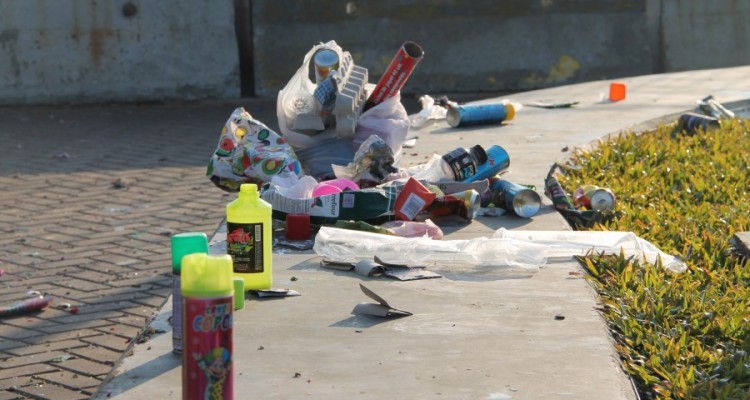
(207, 276)
(187, 243)
(239, 293)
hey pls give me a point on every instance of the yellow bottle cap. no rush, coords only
(207, 276)
(510, 112)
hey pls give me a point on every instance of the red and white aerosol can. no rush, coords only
(398, 71)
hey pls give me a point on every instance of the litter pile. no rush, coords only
(335, 160)
(335, 166)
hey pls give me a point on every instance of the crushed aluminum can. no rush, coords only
(595, 198)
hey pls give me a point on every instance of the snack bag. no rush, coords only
(250, 152)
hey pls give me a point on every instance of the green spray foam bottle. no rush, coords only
(249, 239)
(182, 244)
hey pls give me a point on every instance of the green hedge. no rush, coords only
(680, 336)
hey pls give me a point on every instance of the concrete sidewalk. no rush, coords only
(471, 336)
(90, 196)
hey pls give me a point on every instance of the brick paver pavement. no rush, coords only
(89, 197)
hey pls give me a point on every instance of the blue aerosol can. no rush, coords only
(482, 114)
(497, 162)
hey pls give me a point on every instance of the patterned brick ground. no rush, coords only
(89, 197)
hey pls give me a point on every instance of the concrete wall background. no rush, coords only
(82, 51)
(76, 51)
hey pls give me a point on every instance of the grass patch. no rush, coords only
(680, 336)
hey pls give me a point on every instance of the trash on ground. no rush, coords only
(250, 152)
(495, 258)
(480, 114)
(592, 197)
(566, 244)
(62, 358)
(362, 204)
(462, 165)
(551, 104)
(691, 123)
(36, 303)
(447, 187)
(461, 206)
(709, 106)
(561, 202)
(425, 228)
(362, 226)
(297, 227)
(379, 309)
(617, 91)
(373, 161)
(519, 199)
(377, 267)
(326, 120)
(300, 245)
(405, 272)
(412, 200)
(431, 111)
(396, 74)
(276, 293)
(400, 228)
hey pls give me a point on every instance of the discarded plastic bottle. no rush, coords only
(207, 287)
(249, 239)
(483, 114)
(497, 161)
(182, 244)
(555, 192)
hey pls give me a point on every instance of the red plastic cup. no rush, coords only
(616, 91)
(297, 227)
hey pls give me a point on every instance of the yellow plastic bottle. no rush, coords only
(249, 239)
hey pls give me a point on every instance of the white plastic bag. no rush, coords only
(491, 258)
(387, 120)
(566, 244)
(297, 109)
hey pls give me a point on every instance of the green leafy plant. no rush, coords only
(679, 336)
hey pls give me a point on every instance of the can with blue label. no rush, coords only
(515, 198)
(483, 114)
(497, 162)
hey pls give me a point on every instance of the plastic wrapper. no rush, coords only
(250, 152)
(414, 229)
(491, 258)
(373, 161)
(566, 244)
(430, 111)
